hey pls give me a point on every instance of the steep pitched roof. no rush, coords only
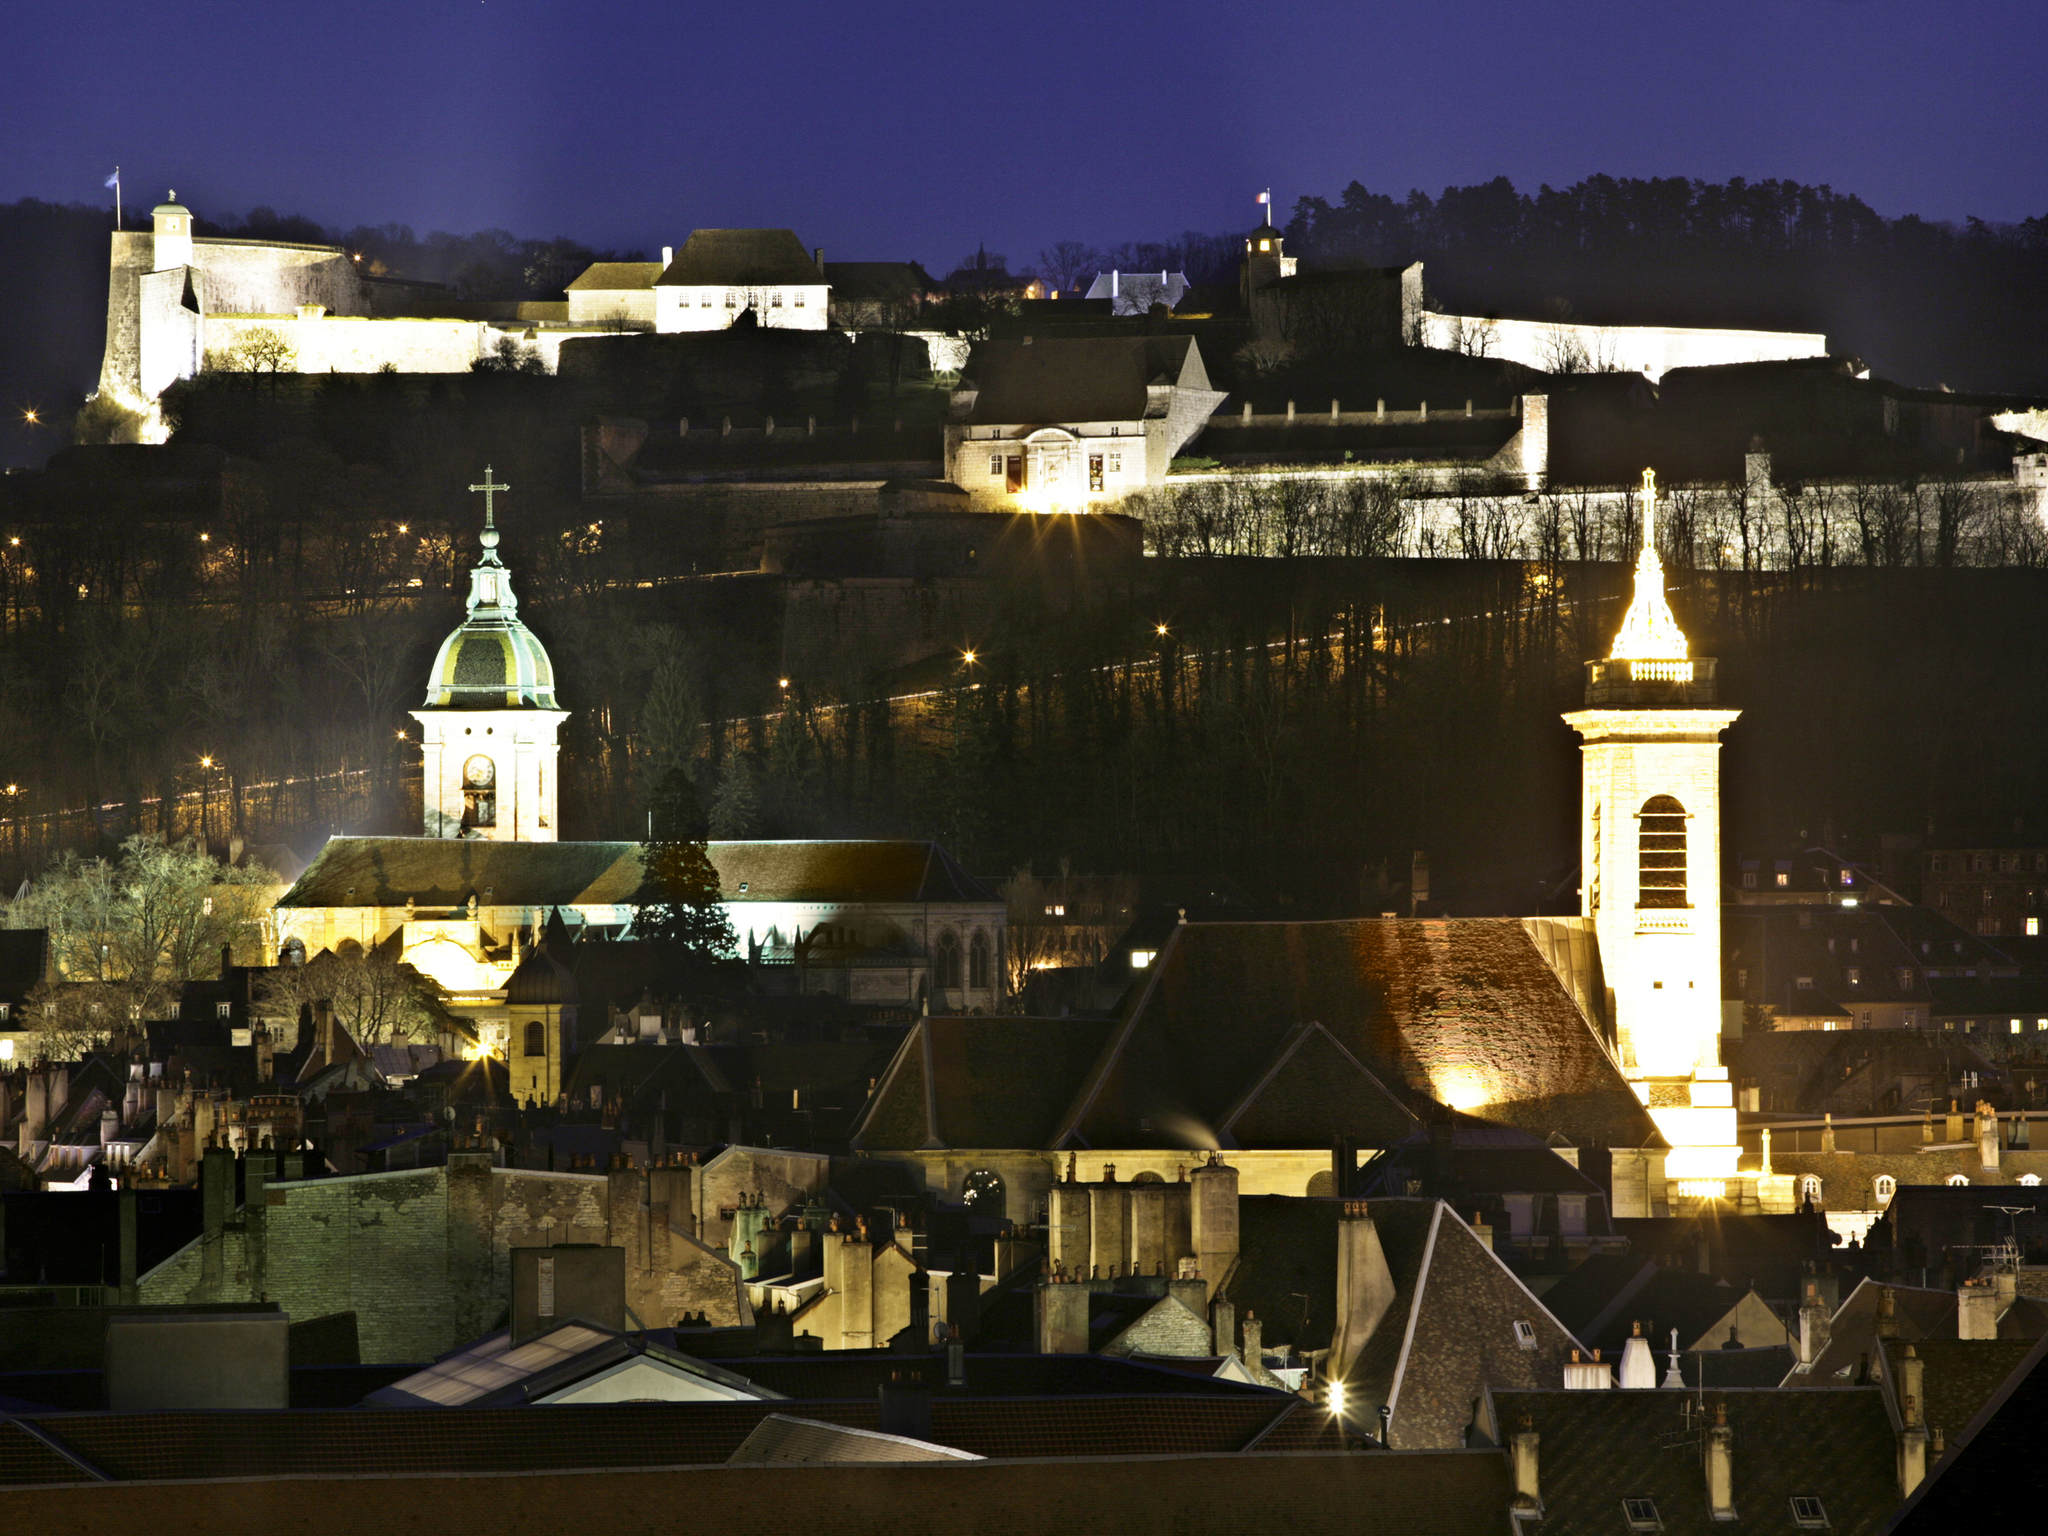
(714, 256)
(1447, 1334)
(1465, 1011)
(616, 276)
(1077, 378)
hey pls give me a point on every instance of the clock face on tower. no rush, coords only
(479, 773)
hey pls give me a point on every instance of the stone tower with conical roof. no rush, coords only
(489, 721)
(1650, 853)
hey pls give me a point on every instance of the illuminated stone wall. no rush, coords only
(423, 1258)
(1652, 350)
(785, 307)
(355, 344)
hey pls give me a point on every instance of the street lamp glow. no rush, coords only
(968, 657)
(1159, 630)
(206, 762)
(782, 683)
(31, 417)
(1337, 1396)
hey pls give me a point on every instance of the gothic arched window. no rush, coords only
(946, 959)
(977, 961)
(1809, 1190)
(1660, 847)
(536, 1039)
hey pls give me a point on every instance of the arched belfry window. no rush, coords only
(1593, 875)
(977, 961)
(946, 958)
(479, 792)
(536, 1039)
(1660, 844)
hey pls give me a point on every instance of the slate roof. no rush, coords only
(854, 1375)
(980, 1082)
(889, 280)
(613, 276)
(446, 872)
(725, 256)
(1076, 378)
(1994, 1481)
(1462, 1010)
(1921, 1315)
(1958, 1377)
(1599, 1448)
(1448, 1333)
(1602, 1300)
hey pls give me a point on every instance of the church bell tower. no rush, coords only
(1650, 851)
(487, 728)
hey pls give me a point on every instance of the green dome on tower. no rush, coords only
(491, 660)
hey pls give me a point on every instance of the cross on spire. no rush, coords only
(1649, 508)
(489, 488)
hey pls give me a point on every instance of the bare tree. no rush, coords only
(1067, 264)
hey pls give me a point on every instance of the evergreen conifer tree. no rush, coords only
(679, 912)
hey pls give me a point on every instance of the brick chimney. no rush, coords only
(1212, 1219)
(1254, 1354)
(1528, 1485)
(1887, 1313)
(1482, 1230)
(1721, 1466)
(1063, 1316)
(1222, 1327)
(1987, 1134)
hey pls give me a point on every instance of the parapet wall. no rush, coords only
(353, 344)
(1653, 350)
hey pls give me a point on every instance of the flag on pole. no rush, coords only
(1264, 197)
(113, 180)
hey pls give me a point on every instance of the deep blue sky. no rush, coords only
(897, 129)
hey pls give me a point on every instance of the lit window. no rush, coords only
(776, 301)
(1855, 976)
(1641, 1514)
(1265, 245)
(799, 298)
(1141, 959)
(1055, 909)
(2030, 1179)
(206, 907)
(223, 1010)
(1784, 879)
(1116, 463)
(995, 463)
(732, 300)
(1808, 1513)
(1809, 1188)
(1848, 878)
(1884, 1187)
(2033, 927)
(2015, 1026)
(1958, 1180)
(1525, 1333)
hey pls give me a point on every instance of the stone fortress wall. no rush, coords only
(1651, 350)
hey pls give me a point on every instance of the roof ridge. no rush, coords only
(1112, 1052)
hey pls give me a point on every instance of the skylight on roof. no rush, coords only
(1808, 1513)
(1641, 1514)
(492, 1365)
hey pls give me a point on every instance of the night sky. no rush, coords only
(888, 130)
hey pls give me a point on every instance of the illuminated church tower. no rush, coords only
(489, 722)
(1651, 862)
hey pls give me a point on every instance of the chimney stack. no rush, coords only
(1482, 1229)
(668, 257)
(1583, 1375)
(1976, 1310)
(1887, 1314)
(1721, 1466)
(1913, 1428)
(818, 256)
(1638, 1369)
(1254, 1341)
(1815, 1322)
(1528, 1487)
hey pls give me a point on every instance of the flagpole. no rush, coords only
(117, 197)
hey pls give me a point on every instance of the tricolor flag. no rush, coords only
(1264, 197)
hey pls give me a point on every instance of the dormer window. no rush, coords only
(1641, 1514)
(1525, 1333)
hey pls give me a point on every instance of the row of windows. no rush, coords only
(1980, 863)
(946, 960)
(1884, 1186)
(737, 299)
(1808, 1513)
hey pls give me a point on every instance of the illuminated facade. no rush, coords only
(1651, 853)
(487, 728)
